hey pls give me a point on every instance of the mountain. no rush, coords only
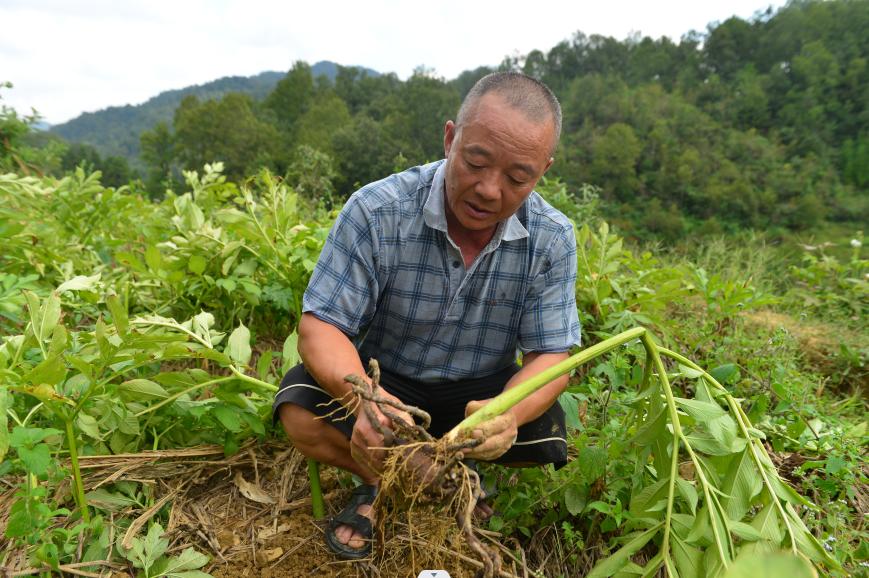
(115, 131)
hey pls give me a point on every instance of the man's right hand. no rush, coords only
(366, 441)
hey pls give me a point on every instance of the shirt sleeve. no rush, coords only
(344, 286)
(550, 323)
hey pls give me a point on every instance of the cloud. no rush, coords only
(65, 57)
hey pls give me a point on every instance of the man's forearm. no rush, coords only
(328, 355)
(537, 403)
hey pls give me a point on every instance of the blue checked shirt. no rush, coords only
(392, 280)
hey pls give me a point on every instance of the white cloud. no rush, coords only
(66, 57)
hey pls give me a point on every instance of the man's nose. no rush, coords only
(488, 186)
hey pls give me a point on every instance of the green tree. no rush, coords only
(291, 98)
(325, 116)
(224, 130)
(159, 153)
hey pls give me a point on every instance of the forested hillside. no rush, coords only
(759, 123)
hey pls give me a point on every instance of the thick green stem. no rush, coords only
(175, 396)
(78, 485)
(652, 353)
(317, 504)
(514, 395)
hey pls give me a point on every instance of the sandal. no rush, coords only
(363, 494)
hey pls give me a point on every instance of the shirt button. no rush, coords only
(456, 264)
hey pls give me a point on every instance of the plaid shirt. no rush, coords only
(392, 280)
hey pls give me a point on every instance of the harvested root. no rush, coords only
(424, 485)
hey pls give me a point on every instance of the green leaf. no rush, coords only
(702, 411)
(652, 428)
(768, 525)
(745, 531)
(110, 501)
(5, 402)
(181, 566)
(290, 354)
(88, 424)
(197, 264)
(153, 258)
(238, 346)
(36, 458)
(575, 499)
(51, 371)
(228, 417)
(79, 283)
(724, 373)
(592, 462)
(689, 559)
(119, 314)
(615, 562)
(779, 564)
(742, 483)
(689, 372)
(29, 436)
(688, 492)
(143, 388)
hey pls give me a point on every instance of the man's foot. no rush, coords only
(349, 533)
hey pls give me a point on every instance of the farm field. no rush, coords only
(141, 342)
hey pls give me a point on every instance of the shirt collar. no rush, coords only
(435, 215)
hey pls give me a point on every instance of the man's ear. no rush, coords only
(449, 135)
(548, 164)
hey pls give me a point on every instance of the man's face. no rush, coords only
(494, 161)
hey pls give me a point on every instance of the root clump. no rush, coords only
(427, 496)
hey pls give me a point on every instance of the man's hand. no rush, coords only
(366, 440)
(497, 434)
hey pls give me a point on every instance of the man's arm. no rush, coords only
(499, 433)
(538, 402)
(329, 356)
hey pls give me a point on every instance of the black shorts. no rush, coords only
(542, 441)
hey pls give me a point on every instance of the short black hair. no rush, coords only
(520, 91)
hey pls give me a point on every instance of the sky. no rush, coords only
(65, 57)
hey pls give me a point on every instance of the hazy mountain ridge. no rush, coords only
(115, 131)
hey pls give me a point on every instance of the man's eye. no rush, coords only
(516, 182)
(473, 166)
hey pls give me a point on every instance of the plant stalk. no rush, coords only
(76, 473)
(509, 398)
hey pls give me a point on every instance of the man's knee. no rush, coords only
(301, 425)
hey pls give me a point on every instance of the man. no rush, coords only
(442, 273)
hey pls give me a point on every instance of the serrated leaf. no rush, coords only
(50, 371)
(185, 565)
(615, 562)
(227, 417)
(28, 436)
(238, 346)
(36, 458)
(575, 499)
(79, 283)
(88, 424)
(592, 462)
(143, 388)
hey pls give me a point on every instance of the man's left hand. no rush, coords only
(497, 434)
